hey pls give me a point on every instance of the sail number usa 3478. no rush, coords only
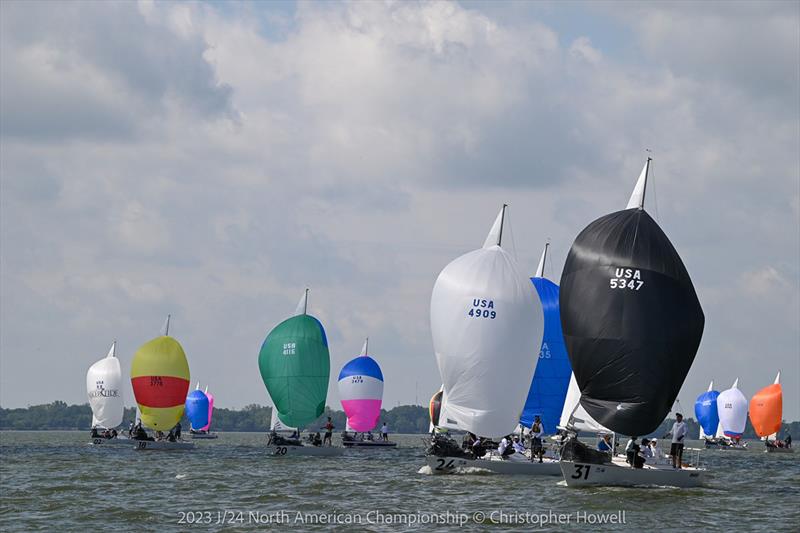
(482, 309)
(626, 278)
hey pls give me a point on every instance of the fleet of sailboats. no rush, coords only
(604, 352)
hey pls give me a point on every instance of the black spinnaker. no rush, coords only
(631, 318)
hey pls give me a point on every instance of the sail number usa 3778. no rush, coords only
(626, 278)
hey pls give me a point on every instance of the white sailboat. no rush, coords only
(732, 406)
(104, 389)
(487, 328)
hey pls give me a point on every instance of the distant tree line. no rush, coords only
(59, 415)
(253, 417)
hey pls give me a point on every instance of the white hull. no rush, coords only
(307, 451)
(511, 466)
(773, 449)
(369, 444)
(150, 445)
(204, 435)
(623, 475)
(119, 441)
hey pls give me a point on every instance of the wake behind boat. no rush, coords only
(628, 306)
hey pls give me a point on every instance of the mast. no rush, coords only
(305, 303)
(502, 219)
(365, 348)
(165, 328)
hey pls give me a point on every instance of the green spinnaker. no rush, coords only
(295, 365)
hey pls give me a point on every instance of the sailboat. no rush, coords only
(632, 325)
(707, 415)
(104, 389)
(551, 380)
(160, 379)
(205, 431)
(766, 415)
(361, 394)
(487, 329)
(295, 366)
(197, 408)
(732, 407)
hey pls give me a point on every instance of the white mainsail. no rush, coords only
(637, 196)
(104, 388)
(574, 416)
(487, 325)
(277, 426)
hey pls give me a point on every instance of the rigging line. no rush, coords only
(513, 242)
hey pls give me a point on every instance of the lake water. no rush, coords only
(53, 481)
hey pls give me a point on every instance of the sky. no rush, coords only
(212, 161)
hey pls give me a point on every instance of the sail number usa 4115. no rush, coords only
(626, 278)
(482, 309)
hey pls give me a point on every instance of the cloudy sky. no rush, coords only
(211, 161)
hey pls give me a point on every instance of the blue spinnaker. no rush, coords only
(705, 409)
(197, 409)
(551, 379)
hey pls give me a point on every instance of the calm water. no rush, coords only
(53, 480)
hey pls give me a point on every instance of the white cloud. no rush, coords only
(357, 151)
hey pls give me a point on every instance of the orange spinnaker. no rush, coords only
(766, 410)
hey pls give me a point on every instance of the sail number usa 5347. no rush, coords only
(626, 278)
(482, 309)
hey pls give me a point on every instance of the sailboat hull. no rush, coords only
(119, 441)
(775, 449)
(524, 467)
(159, 445)
(368, 444)
(204, 435)
(304, 451)
(619, 475)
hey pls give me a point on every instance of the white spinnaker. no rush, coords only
(732, 406)
(574, 416)
(277, 426)
(486, 361)
(104, 388)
